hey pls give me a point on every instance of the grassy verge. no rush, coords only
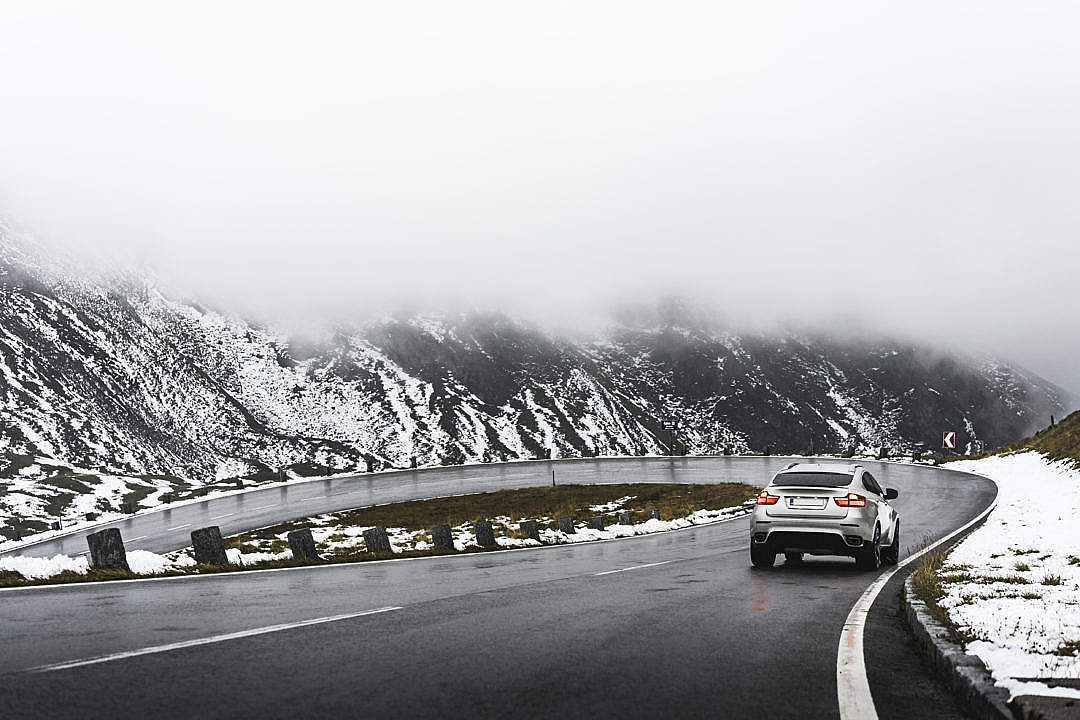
(928, 582)
(541, 503)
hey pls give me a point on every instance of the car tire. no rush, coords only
(891, 555)
(762, 556)
(869, 557)
(793, 558)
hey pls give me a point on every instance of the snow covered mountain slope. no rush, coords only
(109, 375)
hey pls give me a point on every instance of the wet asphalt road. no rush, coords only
(531, 633)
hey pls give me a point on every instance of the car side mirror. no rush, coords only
(891, 494)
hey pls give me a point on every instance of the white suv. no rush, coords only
(825, 510)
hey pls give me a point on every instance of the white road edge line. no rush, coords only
(218, 517)
(634, 567)
(263, 507)
(206, 641)
(141, 537)
(178, 527)
(852, 686)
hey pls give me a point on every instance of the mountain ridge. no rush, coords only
(111, 375)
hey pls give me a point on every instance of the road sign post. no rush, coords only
(670, 428)
(948, 440)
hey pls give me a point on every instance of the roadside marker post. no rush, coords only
(208, 546)
(485, 533)
(442, 537)
(948, 441)
(377, 541)
(302, 545)
(107, 550)
(530, 529)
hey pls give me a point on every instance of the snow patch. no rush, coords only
(1020, 626)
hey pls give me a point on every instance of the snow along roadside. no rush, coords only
(147, 563)
(1014, 583)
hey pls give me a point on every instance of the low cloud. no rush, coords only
(910, 169)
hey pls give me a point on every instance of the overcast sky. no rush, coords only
(913, 164)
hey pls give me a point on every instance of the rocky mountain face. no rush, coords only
(109, 378)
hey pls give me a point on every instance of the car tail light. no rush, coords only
(852, 500)
(764, 498)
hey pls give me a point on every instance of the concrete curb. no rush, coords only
(965, 675)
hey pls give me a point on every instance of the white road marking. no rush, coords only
(852, 687)
(306, 568)
(263, 507)
(206, 641)
(218, 517)
(131, 540)
(635, 567)
(180, 527)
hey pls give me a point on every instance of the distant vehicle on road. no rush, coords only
(825, 510)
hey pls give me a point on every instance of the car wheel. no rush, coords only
(793, 558)
(869, 558)
(891, 554)
(761, 556)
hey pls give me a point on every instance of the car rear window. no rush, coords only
(813, 479)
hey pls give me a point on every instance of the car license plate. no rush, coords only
(806, 502)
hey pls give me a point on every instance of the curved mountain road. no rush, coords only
(676, 624)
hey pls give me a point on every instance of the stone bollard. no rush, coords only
(302, 545)
(56, 525)
(654, 514)
(107, 550)
(566, 525)
(91, 516)
(530, 529)
(412, 462)
(167, 497)
(485, 534)
(596, 523)
(442, 537)
(127, 508)
(209, 547)
(377, 541)
(239, 483)
(626, 518)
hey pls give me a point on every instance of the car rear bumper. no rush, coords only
(843, 537)
(813, 543)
